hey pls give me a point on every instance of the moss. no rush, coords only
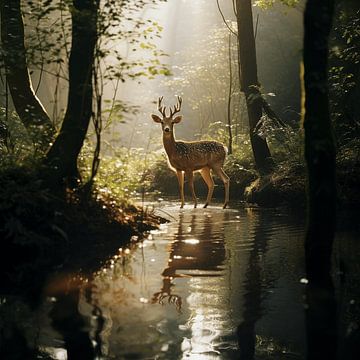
(286, 186)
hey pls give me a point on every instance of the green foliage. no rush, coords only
(344, 76)
(348, 172)
(115, 111)
(121, 32)
(216, 130)
(15, 142)
(286, 142)
(126, 50)
(241, 176)
(264, 4)
(285, 186)
(125, 175)
(163, 179)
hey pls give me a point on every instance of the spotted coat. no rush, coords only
(191, 156)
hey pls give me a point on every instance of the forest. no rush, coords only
(179, 179)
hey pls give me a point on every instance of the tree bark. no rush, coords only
(320, 159)
(62, 156)
(249, 84)
(27, 105)
(230, 93)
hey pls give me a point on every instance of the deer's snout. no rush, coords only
(167, 129)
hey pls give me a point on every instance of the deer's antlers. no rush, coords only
(177, 107)
(162, 109)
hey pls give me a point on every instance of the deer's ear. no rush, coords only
(177, 119)
(156, 118)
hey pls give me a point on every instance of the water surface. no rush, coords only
(203, 282)
(206, 285)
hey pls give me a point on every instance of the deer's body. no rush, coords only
(186, 157)
(193, 155)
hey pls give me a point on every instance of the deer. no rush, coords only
(186, 157)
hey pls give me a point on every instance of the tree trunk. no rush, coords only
(27, 105)
(63, 155)
(249, 83)
(320, 158)
(230, 93)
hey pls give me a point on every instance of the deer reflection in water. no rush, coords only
(197, 250)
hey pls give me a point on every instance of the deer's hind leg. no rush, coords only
(180, 176)
(190, 176)
(226, 180)
(206, 175)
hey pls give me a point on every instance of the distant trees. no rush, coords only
(211, 88)
(86, 68)
(219, 100)
(18, 80)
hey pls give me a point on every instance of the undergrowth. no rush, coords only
(43, 230)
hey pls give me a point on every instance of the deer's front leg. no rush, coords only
(206, 175)
(190, 176)
(220, 172)
(180, 176)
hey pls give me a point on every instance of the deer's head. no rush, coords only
(167, 122)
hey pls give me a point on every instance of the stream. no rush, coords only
(205, 284)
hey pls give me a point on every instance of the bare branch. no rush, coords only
(234, 7)
(223, 17)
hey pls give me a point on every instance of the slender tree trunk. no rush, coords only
(27, 105)
(249, 83)
(230, 150)
(63, 155)
(320, 158)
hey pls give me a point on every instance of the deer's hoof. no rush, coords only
(181, 206)
(206, 205)
(195, 205)
(225, 205)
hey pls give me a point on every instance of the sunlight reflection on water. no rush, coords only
(182, 292)
(210, 284)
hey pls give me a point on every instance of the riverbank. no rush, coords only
(44, 232)
(286, 186)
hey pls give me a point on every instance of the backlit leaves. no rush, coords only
(264, 4)
(122, 32)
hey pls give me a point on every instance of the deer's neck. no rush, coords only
(169, 144)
